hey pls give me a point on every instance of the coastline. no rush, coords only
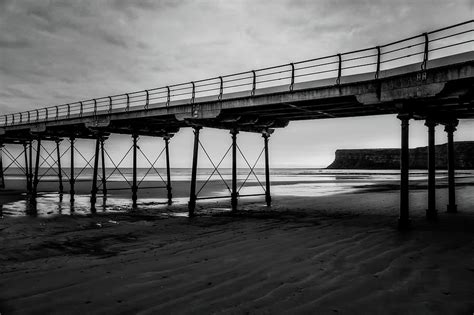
(299, 184)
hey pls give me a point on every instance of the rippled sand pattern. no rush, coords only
(255, 262)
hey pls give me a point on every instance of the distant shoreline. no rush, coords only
(389, 159)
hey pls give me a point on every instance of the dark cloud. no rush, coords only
(146, 4)
(12, 92)
(113, 39)
(8, 41)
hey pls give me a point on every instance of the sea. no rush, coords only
(298, 182)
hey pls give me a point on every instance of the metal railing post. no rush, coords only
(339, 69)
(425, 52)
(221, 88)
(147, 101)
(254, 82)
(377, 71)
(110, 105)
(95, 107)
(193, 93)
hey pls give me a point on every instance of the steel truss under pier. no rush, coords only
(233, 190)
(425, 77)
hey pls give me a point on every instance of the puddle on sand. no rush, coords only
(52, 204)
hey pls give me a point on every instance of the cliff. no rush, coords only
(390, 158)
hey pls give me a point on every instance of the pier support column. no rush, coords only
(404, 219)
(431, 212)
(30, 166)
(104, 178)
(35, 179)
(94, 176)
(2, 176)
(60, 171)
(268, 196)
(192, 194)
(27, 169)
(234, 195)
(168, 171)
(450, 128)
(72, 179)
(134, 179)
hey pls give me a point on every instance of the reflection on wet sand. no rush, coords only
(50, 204)
(285, 183)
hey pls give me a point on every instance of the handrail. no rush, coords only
(325, 66)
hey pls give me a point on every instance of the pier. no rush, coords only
(425, 77)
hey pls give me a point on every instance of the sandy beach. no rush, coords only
(236, 157)
(324, 255)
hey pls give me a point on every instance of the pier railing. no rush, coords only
(416, 49)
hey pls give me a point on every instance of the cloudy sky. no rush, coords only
(54, 52)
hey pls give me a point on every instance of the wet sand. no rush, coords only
(326, 255)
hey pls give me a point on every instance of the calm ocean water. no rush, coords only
(278, 174)
(285, 182)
